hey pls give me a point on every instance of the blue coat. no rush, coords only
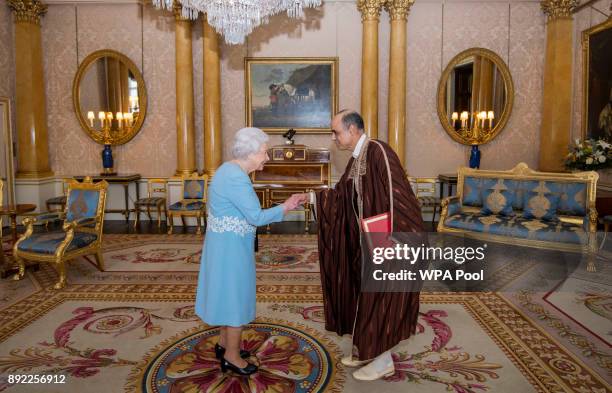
(226, 284)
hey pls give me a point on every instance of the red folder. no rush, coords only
(379, 223)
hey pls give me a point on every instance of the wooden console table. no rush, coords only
(125, 181)
(292, 169)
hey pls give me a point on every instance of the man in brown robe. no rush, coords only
(377, 320)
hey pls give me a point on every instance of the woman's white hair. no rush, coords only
(248, 141)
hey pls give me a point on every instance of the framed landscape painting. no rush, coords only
(597, 82)
(283, 93)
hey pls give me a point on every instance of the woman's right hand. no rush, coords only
(294, 201)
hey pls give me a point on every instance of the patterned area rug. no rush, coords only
(132, 328)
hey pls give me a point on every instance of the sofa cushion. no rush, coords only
(540, 202)
(517, 226)
(498, 196)
(472, 191)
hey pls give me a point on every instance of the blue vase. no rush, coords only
(107, 159)
(475, 157)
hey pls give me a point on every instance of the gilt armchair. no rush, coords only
(81, 233)
(193, 204)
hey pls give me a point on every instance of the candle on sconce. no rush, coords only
(491, 116)
(129, 118)
(119, 118)
(482, 117)
(109, 115)
(91, 117)
(464, 118)
(101, 117)
(454, 118)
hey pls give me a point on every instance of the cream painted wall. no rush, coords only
(437, 30)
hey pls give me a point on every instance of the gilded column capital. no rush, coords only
(177, 10)
(28, 11)
(555, 9)
(398, 9)
(370, 9)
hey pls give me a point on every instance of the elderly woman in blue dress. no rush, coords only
(226, 285)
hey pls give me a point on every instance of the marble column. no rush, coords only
(370, 14)
(30, 98)
(398, 13)
(557, 97)
(212, 99)
(185, 129)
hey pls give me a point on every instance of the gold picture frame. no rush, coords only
(7, 146)
(291, 92)
(117, 138)
(594, 101)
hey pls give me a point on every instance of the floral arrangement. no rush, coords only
(589, 155)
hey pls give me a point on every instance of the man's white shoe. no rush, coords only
(349, 361)
(381, 367)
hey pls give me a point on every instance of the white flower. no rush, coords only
(602, 159)
(589, 161)
(577, 142)
(604, 144)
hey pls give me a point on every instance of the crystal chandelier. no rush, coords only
(235, 19)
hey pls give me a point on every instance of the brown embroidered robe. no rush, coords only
(380, 320)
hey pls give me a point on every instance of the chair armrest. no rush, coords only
(81, 222)
(450, 205)
(28, 223)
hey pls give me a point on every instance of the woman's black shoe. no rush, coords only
(220, 351)
(247, 370)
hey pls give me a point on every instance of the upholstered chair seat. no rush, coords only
(151, 201)
(187, 206)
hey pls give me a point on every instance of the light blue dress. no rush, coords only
(226, 284)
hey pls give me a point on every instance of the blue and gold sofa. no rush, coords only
(525, 207)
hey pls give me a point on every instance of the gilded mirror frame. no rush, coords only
(98, 136)
(509, 94)
(586, 58)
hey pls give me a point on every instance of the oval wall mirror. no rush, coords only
(109, 96)
(475, 96)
